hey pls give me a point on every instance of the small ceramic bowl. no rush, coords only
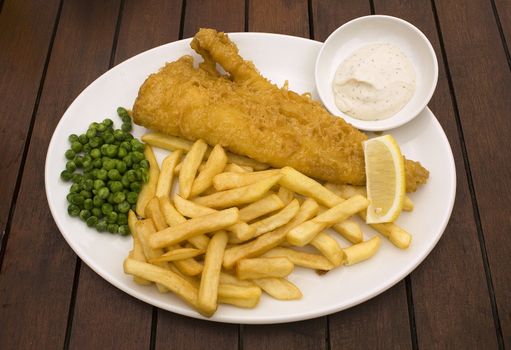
(368, 30)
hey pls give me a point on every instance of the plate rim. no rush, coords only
(187, 311)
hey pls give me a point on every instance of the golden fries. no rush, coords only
(361, 251)
(194, 227)
(328, 247)
(263, 267)
(238, 196)
(178, 254)
(279, 219)
(149, 188)
(350, 230)
(190, 166)
(226, 181)
(226, 278)
(138, 252)
(303, 259)
(164, 184)
(154, 213)
(285, 195)
(235, 168)
(261, 207)
(208, 290)
(246, 297)
(215, 164)
(279, 288)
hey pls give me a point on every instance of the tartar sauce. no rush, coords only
(374, 83)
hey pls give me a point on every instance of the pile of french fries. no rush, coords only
(236, 228)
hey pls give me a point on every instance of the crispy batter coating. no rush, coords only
(249, 115)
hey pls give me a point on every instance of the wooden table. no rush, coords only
(459, 297)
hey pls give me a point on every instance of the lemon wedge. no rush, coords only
(385, 179)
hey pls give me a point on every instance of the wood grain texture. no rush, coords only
(144, 24)
(225, 16)
(25, 32)
(279, 16)
(180, 332)
(482, 83)
(503, 8)
(433, 298)
(383, 321)
(35, 287)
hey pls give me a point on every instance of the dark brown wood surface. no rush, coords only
(459, 297)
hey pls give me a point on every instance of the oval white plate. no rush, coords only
(278, 57)
(363, 31)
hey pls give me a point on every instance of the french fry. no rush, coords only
(208, 290)
(170, 280)
(215, 165)
(173, 143)
(306, 232)
(261, 207)
(269, 240)
(153, 212)
(191, 279)
(194, 227)
(395, 234)
(177, 168)
(285, 195)
(173, 218)
(279, 288)
(350, 230)
(245, 297)
(149, 188)
(303, 259)
(238, 196)
(247, 269)
(138, 252)
(297, 182)
(347, 191)
(328, 247)
(189, 168)
(240, 230)
(178, 254)
(227, 278)
(361, 251)
(235, 168)
(277, 220)
(145, 229)
(226, 181)
(164, 184)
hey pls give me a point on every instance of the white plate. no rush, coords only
(363, 31)
(279, 58)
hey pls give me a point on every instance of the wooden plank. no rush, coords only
(37, 275)
(279, 16)
(286, 17)
(125, 322)
(174, 330)
(482, 82)
(25, 32)
(227, 17)
(350, 328)
(503, 8)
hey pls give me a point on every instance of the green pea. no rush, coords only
(103, 149)
(76, 177)
(121, 167)
(96, 212)
(83, 139)
(121, 153)
(125, 181)
(98, 201)
(91, 133)
(79, 161)
(135, 187)
(132, 175)
(97, 163)
(75, 188)
(102, 174)
(113, 174)
(112, 228)
(87, 148)
(84, 214)
(92, 221)
(116, 186)
(123, 207)
(109, 164)
(108, 137)
(70, 154)
(111, 198)
(66, 175)
(88, 184)
(129, 136)
(131, 197)
(111, 151)
(144, 174)
(119, 197)
(96, 142)
(86, 194)
(123, 230)
(101, 225)
(125, 145)
(101, 127)
(93, 125)
(88, 204)
(111, 218)
(71, 166)
(122, 112)
(144, 163)
(95, 153)
(135, 166)
(73, 138)
(98, 184)
(128, 161)
(103, 192)
(108, 122)
(126, 127)
(107, 208)
(73, 210)
(122, 218)
(77, 199)
(119, 135)
(137, 146)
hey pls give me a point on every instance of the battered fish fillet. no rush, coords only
(247, 114)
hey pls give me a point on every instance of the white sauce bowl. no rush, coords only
(368, 30)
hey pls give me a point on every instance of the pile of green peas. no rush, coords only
(107, 168)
